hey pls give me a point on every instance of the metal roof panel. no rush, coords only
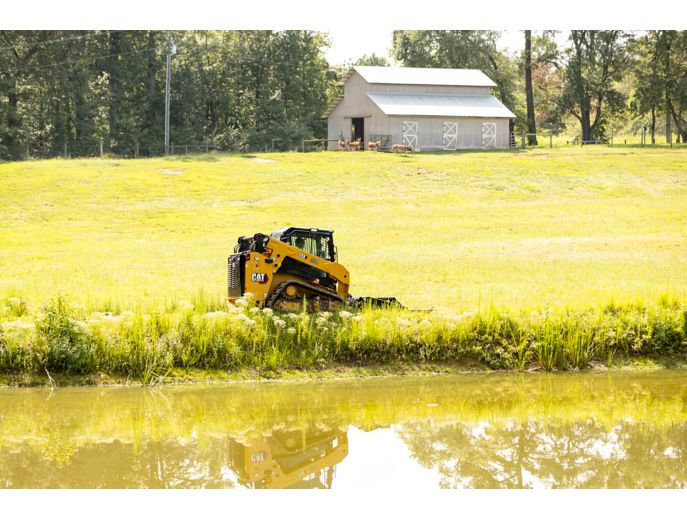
(424, 76)
(440, 105)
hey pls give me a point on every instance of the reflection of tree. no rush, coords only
(529, 453)
(303, 458)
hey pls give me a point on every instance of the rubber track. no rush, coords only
(278, 291)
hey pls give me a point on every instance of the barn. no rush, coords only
(427, 108)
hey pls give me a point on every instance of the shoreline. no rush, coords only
(195, 376)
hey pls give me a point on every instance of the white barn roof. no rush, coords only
(425, 76)
(440, 105)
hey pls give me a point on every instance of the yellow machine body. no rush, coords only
(283, 276)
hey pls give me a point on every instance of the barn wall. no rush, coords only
(430, 131)
(429, 89)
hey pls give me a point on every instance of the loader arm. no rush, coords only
(280, 251)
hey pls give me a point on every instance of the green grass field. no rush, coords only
(575, 227)
(556, 259)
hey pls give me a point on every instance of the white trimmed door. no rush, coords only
(488, 135)
(450, 138)
(410, 134)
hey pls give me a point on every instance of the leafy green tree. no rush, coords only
(459, 49)
(372, 60)
(595, 61)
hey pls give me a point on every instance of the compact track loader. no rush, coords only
(292, 267)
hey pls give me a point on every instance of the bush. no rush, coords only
(63, 339)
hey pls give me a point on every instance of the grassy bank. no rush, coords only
(538, 258)
(148, 348)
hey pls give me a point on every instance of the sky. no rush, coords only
(346, 44)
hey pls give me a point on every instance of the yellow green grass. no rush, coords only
(566, 228)
(593, 238)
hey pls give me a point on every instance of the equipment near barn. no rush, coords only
(292, 266)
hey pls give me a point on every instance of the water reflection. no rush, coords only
(289, 459)
(476, 431)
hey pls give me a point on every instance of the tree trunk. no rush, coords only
(653, 125)
(113, 85)
(150, 112)
(13, 123)
(585, 119)
(531, 122)
(669, 137)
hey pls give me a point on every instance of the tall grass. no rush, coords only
(146, 346)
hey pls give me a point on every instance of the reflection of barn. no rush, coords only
(428, 108)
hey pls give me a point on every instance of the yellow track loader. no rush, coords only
(292, 267)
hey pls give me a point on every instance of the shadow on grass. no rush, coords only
(204, 157)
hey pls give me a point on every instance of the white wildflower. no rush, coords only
(17, 325)
(112, 318)
(213, 315)
(402, 322)
(345, 315)
(185, 305)
(292, 316)
(357, 318)
(249, 297)
(242, 302)
(279, 323)
(14, 301)
(320, 321)
(267, 311)
(425, 322)
(254, 310)
(127, 313)
(326, 315)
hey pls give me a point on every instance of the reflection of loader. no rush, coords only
(291, 266)
(289, 459)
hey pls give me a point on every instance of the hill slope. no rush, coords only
(572, 227)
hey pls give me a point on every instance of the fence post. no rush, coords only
(550, 140)
(137, 145)
(187, 149)
(303, 145)
(522, 145)
(65, 150)
(28, 154)
(207, 146)
(101, 147)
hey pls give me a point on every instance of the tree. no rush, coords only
(459, 49)
(529, 95)
(596, 60)
(372, 60)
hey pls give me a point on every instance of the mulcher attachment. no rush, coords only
(375, 302)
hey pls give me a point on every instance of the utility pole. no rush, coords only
(171, 49)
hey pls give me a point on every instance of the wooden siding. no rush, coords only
(430, 131)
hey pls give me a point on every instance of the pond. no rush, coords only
(569, 430)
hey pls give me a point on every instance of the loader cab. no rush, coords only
(318, 242)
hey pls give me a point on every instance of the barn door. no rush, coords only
(410, 134)
(450, 140)
(488, 135)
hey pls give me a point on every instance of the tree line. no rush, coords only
(73, 91)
